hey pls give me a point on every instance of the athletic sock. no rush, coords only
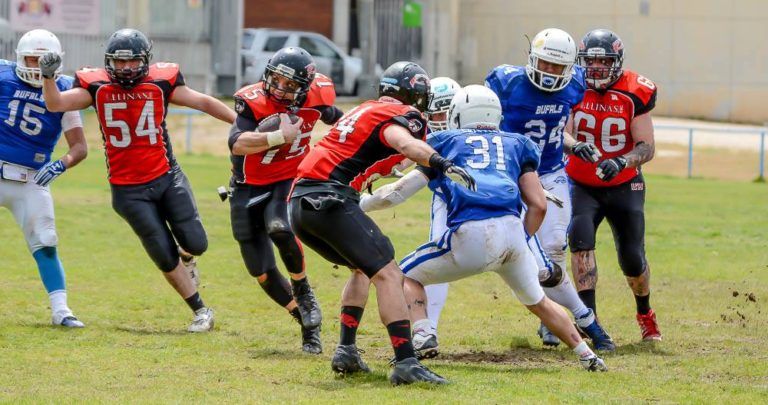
(582, 350)
(400, 336)
(58, 301)
(588, 297)
(565, 295)
(50, 268)
(195, 302)
(643, 303)
(349, 320)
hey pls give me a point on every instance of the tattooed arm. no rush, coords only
(642, 132)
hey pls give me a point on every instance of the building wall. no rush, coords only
(708, 57)
(306, 15)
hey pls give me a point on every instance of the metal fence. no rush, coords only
(189, 113)
(692, 130)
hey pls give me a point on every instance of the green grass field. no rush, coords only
(707, 243)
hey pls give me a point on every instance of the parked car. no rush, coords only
(259, 44)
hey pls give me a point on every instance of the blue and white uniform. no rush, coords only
(542, 116)
(28, 135)
(481, 230)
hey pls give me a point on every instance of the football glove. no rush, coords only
(49, 172)
(555, 199)
(49, 63)
(453, 172)
(609, 168)
(586, 151)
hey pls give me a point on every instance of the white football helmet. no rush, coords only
(475, 107)
(443, 89)
(35, 43)
(554, 46)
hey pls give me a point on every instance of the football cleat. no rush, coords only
(311, 317)
(408, 371)
(595, 332)
(347, 360)
(547, 337)
(310, 340)
(425, 344)
(593, 363)
(203, 321)
(648, 326)
(190, 263)
(66, 319)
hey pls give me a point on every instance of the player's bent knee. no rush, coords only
(633, 264)
(197, 246)
(282, 236)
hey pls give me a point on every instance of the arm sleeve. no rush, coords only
(329, 114)
(647, 107)
(529, 157)
(394, 193)
(70, 120)
(242, 124)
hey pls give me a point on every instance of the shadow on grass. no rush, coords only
(277, 354)
(641, 347)
(376, 379)
(148, 330)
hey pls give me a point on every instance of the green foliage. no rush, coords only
(706, 243)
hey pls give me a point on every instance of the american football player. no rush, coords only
(363, 146)
(149, 189)
(536, 100)
(29, 135)
(614, 117)
(264, 162)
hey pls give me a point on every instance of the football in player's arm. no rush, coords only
(268, 141)
(29, 135)
(615, 117)
(149, 190)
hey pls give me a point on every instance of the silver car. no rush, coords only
(259, 44)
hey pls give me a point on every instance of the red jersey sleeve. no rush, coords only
(412, 120)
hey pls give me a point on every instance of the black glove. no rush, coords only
(609, 168)
(453, 172)
(586, 151)
(49, 63)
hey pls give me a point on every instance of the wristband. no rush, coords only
(275, 138)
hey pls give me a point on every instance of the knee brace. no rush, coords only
(287, 245)
(277, 287)
(555, 277)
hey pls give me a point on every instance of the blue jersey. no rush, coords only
(28, 132)
(538, 114)
(495, 159)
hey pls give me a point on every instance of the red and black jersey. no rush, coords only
(354, 152)
(280, 163)
(132, 122)
(604, 119)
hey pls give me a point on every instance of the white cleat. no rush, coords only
(593, 363)
(203, 321)
(66, 319)
(425, 344)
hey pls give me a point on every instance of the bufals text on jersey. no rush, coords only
(132, 122)
(604, 119)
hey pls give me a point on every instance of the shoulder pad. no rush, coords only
(256, 99)
(163, 71)
(639, 86)
(86, 76)
(321, 92)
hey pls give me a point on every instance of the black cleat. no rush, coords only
(408, 371)
(311, 317)
(310, 340)
(347, 360)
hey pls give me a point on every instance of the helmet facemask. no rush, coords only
(548, 81)
(294, 90)
(600, 77)
(443, 89)
(127, 77)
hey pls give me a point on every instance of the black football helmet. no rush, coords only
(408, 83)
(127, 44)
(601, 43)
(297, 65)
